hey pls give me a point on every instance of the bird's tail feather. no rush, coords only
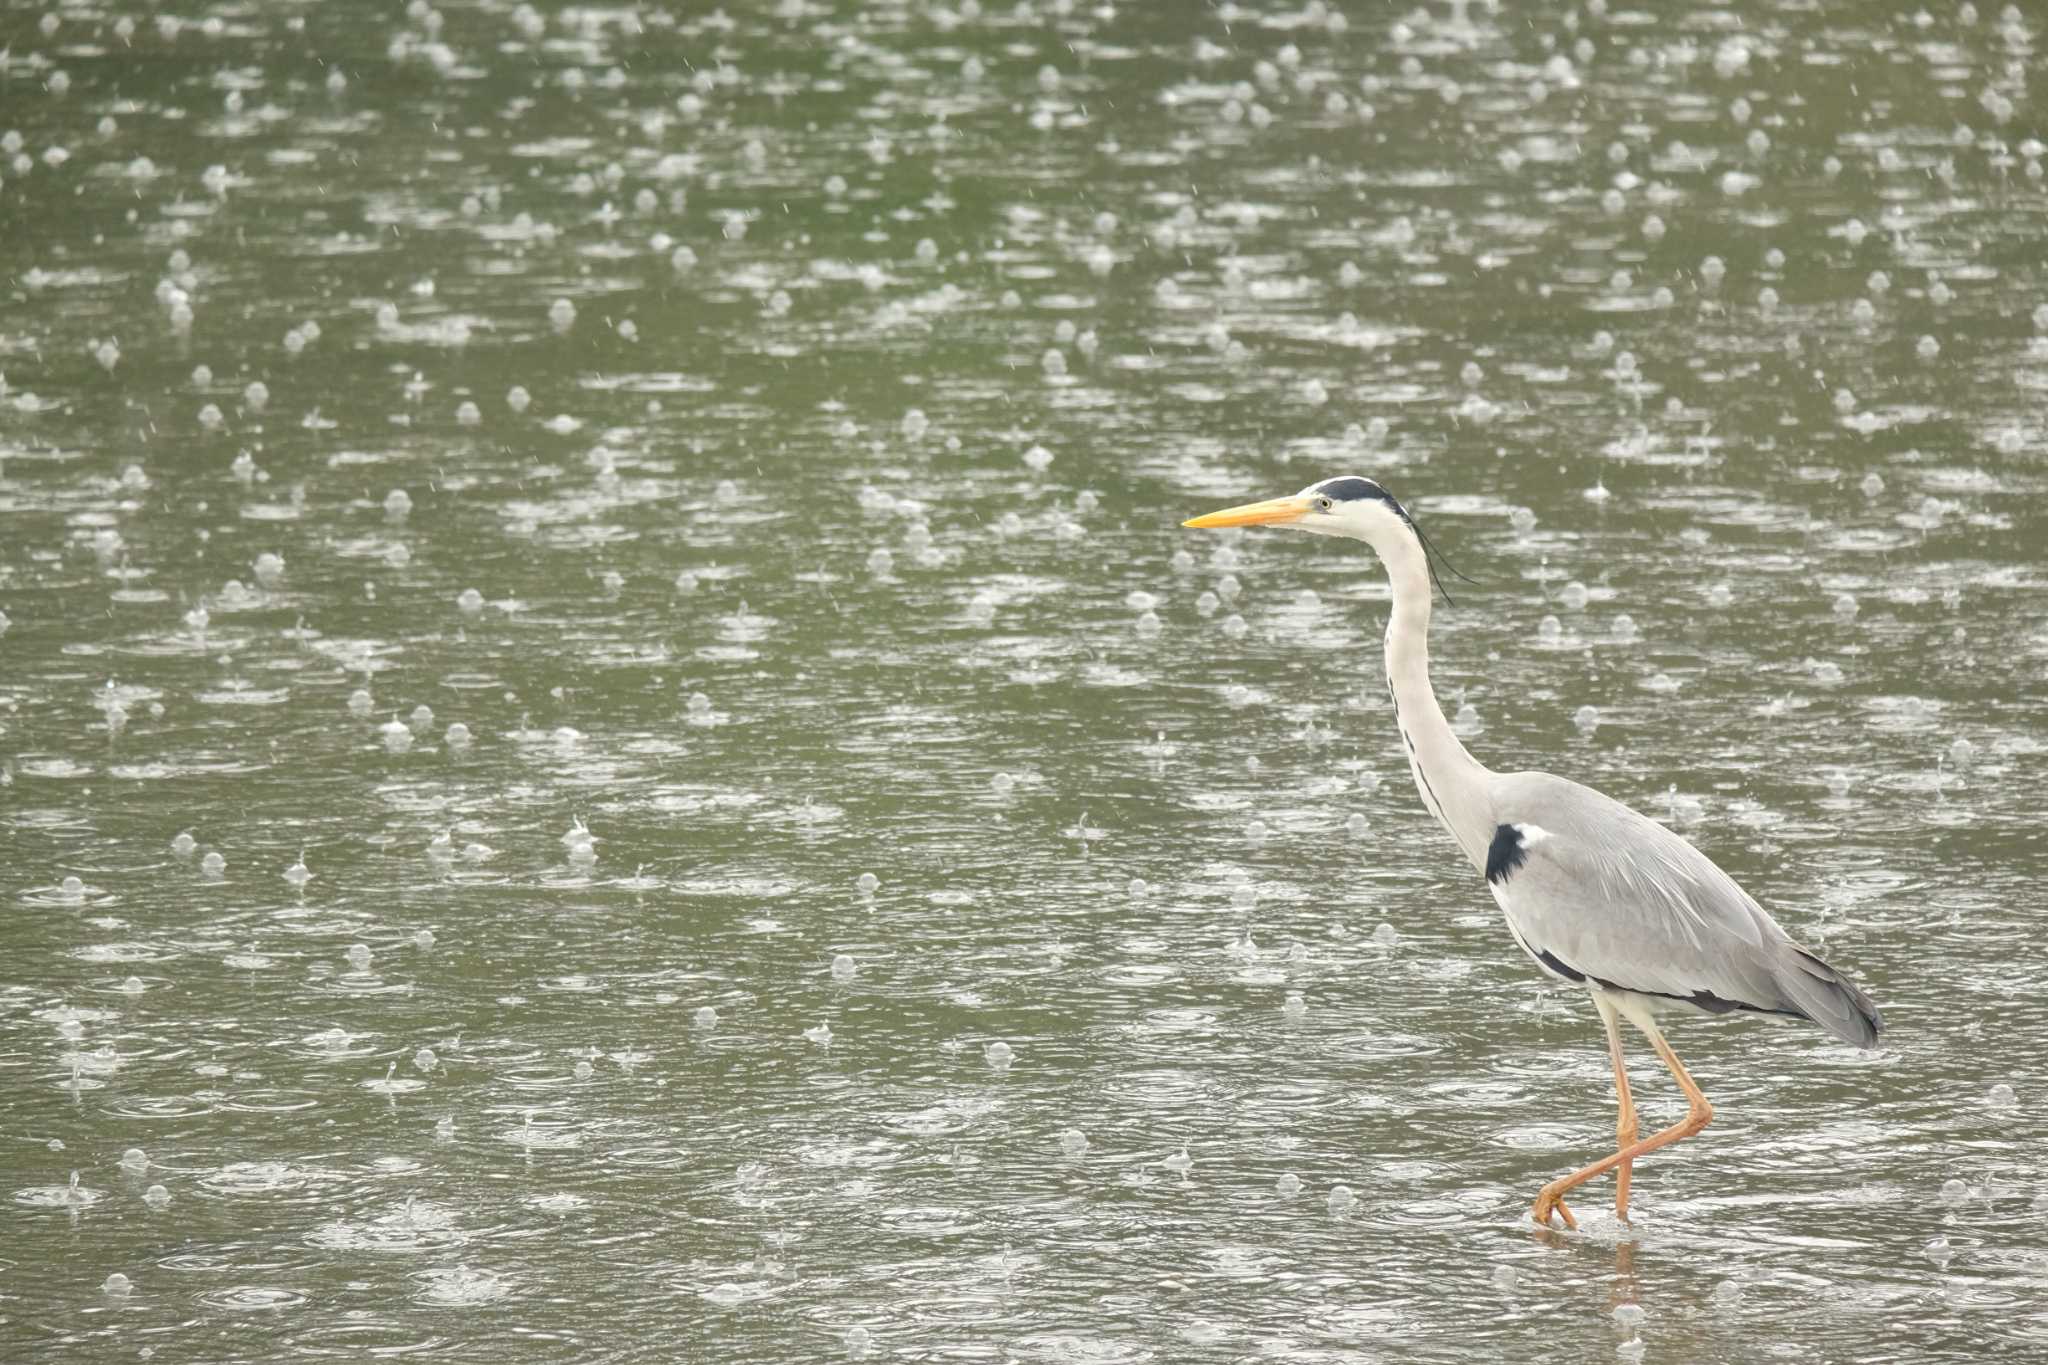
(1828, 998)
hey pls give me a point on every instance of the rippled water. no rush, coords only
(610, 750)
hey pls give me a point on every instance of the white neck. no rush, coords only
(1453, 784)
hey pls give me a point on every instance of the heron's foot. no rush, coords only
(1549, 1198)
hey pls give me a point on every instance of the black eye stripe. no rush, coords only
(1352, 489)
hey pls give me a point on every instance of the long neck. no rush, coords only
(1453, 784)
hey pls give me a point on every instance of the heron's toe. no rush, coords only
(1547, 1201)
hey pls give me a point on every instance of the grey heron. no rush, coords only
(1596, 894)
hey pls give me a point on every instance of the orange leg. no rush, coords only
(1625, 1121)
(1698, 1114)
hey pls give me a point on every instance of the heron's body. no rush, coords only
(1596, 894)
(1566, 880)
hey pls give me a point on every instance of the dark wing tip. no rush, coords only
(1842, 1007)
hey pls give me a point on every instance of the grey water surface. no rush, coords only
(610, 749)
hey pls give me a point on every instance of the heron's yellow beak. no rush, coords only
(1272, 512)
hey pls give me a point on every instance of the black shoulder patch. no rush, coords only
(1505, 854)
(1351, 489)
(1563, 969)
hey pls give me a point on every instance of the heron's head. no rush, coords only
(1345, 506)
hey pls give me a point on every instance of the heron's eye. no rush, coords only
(1323, 504)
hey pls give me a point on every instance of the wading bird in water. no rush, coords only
(1596, 894)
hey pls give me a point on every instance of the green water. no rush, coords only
(809, 396)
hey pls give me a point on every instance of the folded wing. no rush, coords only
(1598, 892)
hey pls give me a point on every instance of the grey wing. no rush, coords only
(1595, 890)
